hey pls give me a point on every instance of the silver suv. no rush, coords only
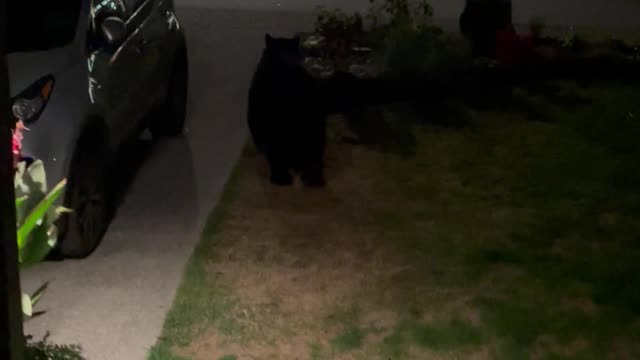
(85, 77)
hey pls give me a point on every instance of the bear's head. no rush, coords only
(284, 50)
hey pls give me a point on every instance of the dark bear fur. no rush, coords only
(285, 114)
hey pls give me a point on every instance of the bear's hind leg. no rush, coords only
(312, 169)
(279, 169)
(312, 164)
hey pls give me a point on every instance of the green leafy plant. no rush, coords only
(537, 26)
(334, 20)
(393, 14)
(341, 32)
(36, 214)
(418, 54)
(409, 45)
(44, 350)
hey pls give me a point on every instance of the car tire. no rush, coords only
(88, 197)
(170, 117)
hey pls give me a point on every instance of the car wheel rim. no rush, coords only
(90, 210)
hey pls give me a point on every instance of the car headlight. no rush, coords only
(27, 108)
(29, 104)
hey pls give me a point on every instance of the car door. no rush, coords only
(123, 71)
(154, 30)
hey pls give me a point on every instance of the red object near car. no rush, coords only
(513, 49)
(16, 143)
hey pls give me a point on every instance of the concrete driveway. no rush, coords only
(114, 302)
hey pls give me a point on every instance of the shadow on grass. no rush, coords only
(391, 128)
(571, 251)
(378, 128)
(545, 210)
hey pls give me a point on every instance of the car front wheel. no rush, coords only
(88, 197)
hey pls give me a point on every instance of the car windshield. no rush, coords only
(36, 25)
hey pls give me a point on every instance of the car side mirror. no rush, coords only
(114, 30)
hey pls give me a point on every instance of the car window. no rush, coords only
(111, 7)
(36, 25)
(101, 9)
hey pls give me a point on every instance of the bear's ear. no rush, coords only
(268, 39)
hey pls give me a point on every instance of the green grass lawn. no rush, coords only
(506, 239)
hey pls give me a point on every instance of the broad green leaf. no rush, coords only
(36, 217)
(30, 182)
(38, 294)
(22, 165)
(23, 179)
(19, 175)
(41, 241)
(20, 201)
(63, 210)
(27, 307)
(36, 177)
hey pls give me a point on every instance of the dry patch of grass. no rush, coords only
(505, 240)
(311, 273)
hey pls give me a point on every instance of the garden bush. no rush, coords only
(386, 15)
(422, 54)
(405, 43)
(340, 33)
(44, 350)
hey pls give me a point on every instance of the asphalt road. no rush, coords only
(114, 302)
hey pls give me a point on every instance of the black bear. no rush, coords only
(286, 114)
(288, 107)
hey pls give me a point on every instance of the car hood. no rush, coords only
(27, 67)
